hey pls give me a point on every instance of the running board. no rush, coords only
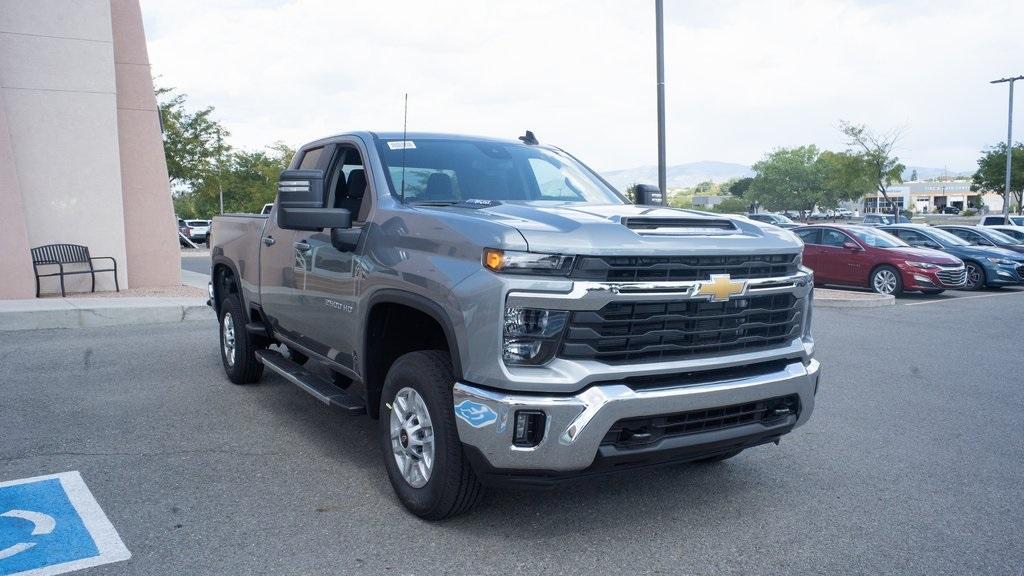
(319, 388)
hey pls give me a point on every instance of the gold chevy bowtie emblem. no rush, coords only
(721, 287)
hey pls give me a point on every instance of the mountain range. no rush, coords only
(693, 173)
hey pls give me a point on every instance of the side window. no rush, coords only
(913, 238)
(809, 235)
(349, 188)
(968, 235)
(833, 238)
(310, 158)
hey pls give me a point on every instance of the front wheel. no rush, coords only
(886, 280)
(975, 277)
(420, 441)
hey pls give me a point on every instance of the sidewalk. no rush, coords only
(826, 298)
(43, 313)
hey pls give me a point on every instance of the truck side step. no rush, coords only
(321, 389)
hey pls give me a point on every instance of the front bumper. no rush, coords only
(576, 424)
(1003, 275)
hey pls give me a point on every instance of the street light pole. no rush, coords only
(1009, 147)
(660, 40)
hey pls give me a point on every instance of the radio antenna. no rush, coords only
(405, 143)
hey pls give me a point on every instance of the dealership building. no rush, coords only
(81, 153)
(931, 196)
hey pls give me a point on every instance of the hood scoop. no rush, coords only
(679, 226)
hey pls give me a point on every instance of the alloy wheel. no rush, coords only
(228, 337)
(884, 282)
(412, 437)
(973, 276)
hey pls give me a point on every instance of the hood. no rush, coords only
(625, 229)
(925, 255)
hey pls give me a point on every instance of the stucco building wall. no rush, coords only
(65, 130)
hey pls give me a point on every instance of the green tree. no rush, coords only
(731, 205)
(875, 152)
(991, 174)
(194, 143)
(248, 181)
(787, 178)
(737, 187)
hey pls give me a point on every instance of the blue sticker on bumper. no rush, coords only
(475, 414)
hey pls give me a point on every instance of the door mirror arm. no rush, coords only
(345, 239)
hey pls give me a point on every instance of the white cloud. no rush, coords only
(742, 77)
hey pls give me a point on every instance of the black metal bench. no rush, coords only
(61, 254)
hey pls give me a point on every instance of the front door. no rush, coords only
(842, 263)
(283, 268)
(329, 313)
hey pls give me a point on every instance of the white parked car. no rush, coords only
(1015, 232)
(997, 220)
(200, 229)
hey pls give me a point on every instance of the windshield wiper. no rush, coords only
(433, 202)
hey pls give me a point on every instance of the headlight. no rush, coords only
(921, 265)
(531, 336)
(1002, 262)
(510, 262)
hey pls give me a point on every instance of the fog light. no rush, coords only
(529, 430)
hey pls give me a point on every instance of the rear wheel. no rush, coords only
(421, 446)
(975, 276)
(932, 292)
(886, 280)
(237, 347)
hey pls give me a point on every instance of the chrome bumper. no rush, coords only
(576, 424)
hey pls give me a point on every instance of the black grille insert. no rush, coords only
(665, 330)
(636, 432)
(683, 268)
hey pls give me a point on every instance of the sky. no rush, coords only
(741, 78)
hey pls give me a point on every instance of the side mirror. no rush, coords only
(647, 195)
(313, 219)
(850, 245)
(299, 191)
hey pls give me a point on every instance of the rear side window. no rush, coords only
(310, 158)
(810, 235)
(833, 238)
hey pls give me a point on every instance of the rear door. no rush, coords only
(283, 268)
(812, 253)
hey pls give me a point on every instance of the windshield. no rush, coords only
(876, 238)
(449, 171)
(947, 238)
(779, 218)
(1000, 238)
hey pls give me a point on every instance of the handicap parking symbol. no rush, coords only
(52, 525)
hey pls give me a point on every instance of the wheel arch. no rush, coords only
(436, 331)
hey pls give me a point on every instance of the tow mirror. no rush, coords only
(647, 195)
(313, 219)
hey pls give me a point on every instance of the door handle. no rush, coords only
(302, 246)
(269, 240)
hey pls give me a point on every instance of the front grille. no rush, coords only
(683, 268)
(952, 276)
(665, 330)
(636, 432)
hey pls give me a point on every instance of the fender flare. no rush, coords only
(219, 260)
(416, 302)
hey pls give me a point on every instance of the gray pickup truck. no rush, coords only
(509, 317)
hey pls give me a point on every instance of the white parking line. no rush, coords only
(963, 298)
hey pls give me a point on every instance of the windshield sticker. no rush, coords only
(401, 144)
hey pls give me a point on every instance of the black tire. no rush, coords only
(452, 487)
(975, 269)
(897, 285)
(718, 457)
(932, 292)
(243, 367)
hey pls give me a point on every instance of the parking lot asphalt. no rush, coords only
(913, 463)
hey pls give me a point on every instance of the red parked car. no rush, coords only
(866, 257)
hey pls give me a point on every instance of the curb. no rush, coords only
(16, 315)
(876, 302)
